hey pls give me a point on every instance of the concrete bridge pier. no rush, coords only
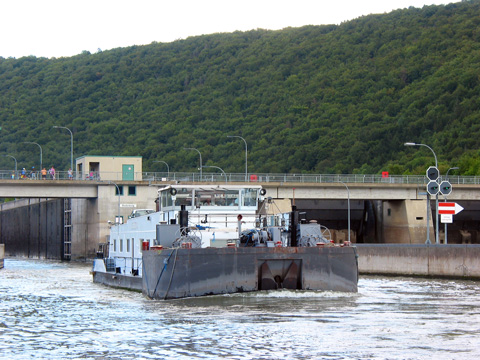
(405, 222)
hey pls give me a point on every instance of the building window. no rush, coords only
(121, 245)
(132, 190)
(119, 188)
(115, 245)
(128, 245)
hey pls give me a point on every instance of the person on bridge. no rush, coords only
(70, 174)
(44, 174)
(52, 172)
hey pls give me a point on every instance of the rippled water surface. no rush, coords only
(52, 310)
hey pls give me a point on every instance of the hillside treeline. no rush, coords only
(315, 99)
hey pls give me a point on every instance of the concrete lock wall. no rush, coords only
(34, 230)
(84, 228)
(2, 254)
(420, 260)
(92, 219)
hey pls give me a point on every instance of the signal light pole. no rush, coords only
(428, 197)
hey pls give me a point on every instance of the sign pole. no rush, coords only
(428, 219)
(432, 189)
(436, 220)
(446, 241)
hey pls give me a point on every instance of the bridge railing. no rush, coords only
(240, 177)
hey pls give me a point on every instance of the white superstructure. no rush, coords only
(216, 216)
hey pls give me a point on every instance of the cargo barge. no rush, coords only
(210, 239)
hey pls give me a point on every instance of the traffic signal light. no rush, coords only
(432, 187)
(445, 187)
(433, 173)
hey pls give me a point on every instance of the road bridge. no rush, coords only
(49, 189)
(78, 189)
(382, 210)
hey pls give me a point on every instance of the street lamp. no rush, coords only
(446, 178)
(246, 153)
(216, 167)
(433, 152)
(41, 162)
(15, 176)
(348, 205)
(168, 169)
(119, 194)
(200, 160)
(71, 144)
(428, 196)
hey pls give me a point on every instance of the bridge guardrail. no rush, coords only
(240, 177)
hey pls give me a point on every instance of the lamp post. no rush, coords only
(200, 160)
(41, 160)
(428, 197)
(246, 154)
(168, 169)
(446, 178)
(348, 206)
(15, 176)
(216, 167)
(118, 191)
(433, 152)
(71, 144)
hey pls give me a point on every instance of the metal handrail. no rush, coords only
(253, 177)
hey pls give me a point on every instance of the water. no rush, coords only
(52, 310)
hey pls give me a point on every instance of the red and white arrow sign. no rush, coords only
(449, 208)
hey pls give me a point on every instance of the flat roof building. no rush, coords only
(115, 168)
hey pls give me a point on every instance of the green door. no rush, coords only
(128, 172)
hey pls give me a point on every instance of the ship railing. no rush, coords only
(124, 263)
(226, 220)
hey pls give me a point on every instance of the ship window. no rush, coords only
(250, 197)
(231, 198)
(121, 245)
(204, 198)
(128, 245)
(184, 197)
(132, 190)
(166, 199)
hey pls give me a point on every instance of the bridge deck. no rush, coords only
(279, 190)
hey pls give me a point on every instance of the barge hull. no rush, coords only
(113, 279)
(180, 273)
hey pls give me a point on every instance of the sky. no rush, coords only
(64, 28)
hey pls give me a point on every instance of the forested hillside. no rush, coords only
(316, 99)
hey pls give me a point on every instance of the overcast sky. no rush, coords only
(56, 28)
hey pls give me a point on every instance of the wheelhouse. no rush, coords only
(209, 198)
